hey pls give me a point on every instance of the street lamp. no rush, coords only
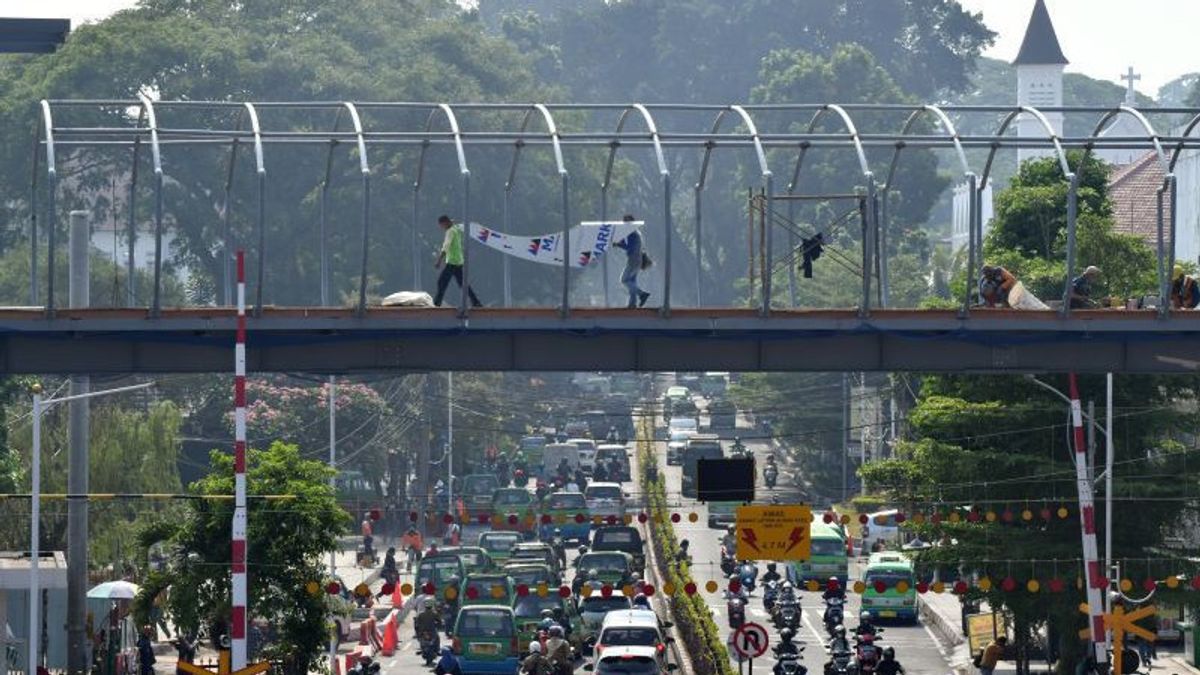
(40, 406)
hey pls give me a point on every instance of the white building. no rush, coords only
(1039, 63)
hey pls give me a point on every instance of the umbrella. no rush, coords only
(114, 590)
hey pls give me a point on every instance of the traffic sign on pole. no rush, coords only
(750, 640)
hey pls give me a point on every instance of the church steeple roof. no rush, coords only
(1040, 46)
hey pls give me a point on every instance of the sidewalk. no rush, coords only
(347, 568)
(942, 615)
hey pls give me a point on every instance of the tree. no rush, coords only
(131, 450)
(286, 540)
(999, 444)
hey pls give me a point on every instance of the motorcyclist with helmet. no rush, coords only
(865, 627)
(447, 664)
(640, 601)
(786, 646)
(772, 574)
(558, 652)
(889, 665)
(839, 643)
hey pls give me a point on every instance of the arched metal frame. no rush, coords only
(664, 173)
(564, 177)
(969, 176)
(364, 169)
(768, 179)
(1168, 184)
(976, 236)
(54, 139)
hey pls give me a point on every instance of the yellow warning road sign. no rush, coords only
(774, 532)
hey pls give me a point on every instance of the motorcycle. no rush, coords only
(770, 594)
(428, 646)
(866, 654)
(834, 613)
(728, 561)
(771, 475)
(787, 616)
(736, 608)
(789, 664)
(748, 573)
(838, 663)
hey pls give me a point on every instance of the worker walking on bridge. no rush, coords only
(451, 256)
(635, 261)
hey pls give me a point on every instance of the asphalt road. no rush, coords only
(916, 648)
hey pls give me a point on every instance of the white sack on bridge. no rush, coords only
(588, 242)
(1020, 298)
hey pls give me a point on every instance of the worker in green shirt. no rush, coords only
(451, 256)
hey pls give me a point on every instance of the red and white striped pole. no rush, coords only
(237, 628)
(1097, 581)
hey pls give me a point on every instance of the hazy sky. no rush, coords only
(1101, 38)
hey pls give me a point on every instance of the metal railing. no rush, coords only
(147, 128)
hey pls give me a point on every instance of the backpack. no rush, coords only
(646, 260)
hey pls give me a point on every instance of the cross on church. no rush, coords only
(1130, 92)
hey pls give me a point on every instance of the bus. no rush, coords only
(700, 446)
(828, 556)
(891, 568)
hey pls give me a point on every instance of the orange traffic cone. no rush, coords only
(397, 597)
(391, 634)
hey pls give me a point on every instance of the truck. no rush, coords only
(700, 446)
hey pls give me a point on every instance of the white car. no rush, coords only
(629, 661)
(684, 424)
(632, 628)
(605, 499)
(587, 452)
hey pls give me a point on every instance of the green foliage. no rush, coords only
(131, 451)
(286, 539)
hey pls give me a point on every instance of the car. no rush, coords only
(722, 514)
(611, 451)
(592, 611)
(476, 491)
(722, 414)
(565, 509)
(474, 558)
(528, 612)
(535, 552)
(613, 568)
(532, 574)
(587, 453)
(498, 544)
(438, 569)
(485, 640)
(687, 424)
(629, 661)
(632, 628)
(624, 538)
(675, 451)
(514, 501)
(605, 500)
(677, 393)
(486, 589)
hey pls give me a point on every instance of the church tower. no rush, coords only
(1039, 77)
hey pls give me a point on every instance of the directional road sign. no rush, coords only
(773, 532)
(750, 641)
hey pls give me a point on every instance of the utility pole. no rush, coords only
(331, 403)
(1108, 475)
(450, 441)
(77, 467)
(845, 435)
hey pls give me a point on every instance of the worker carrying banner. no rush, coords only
(589, 242)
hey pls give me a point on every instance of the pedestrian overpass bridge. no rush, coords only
(334, 340)
(777, 144)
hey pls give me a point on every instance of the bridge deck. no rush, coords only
(399, 338)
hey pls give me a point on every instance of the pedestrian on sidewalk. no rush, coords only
(636, 260)
(450, 259)
(145, 649)
(992, 655)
